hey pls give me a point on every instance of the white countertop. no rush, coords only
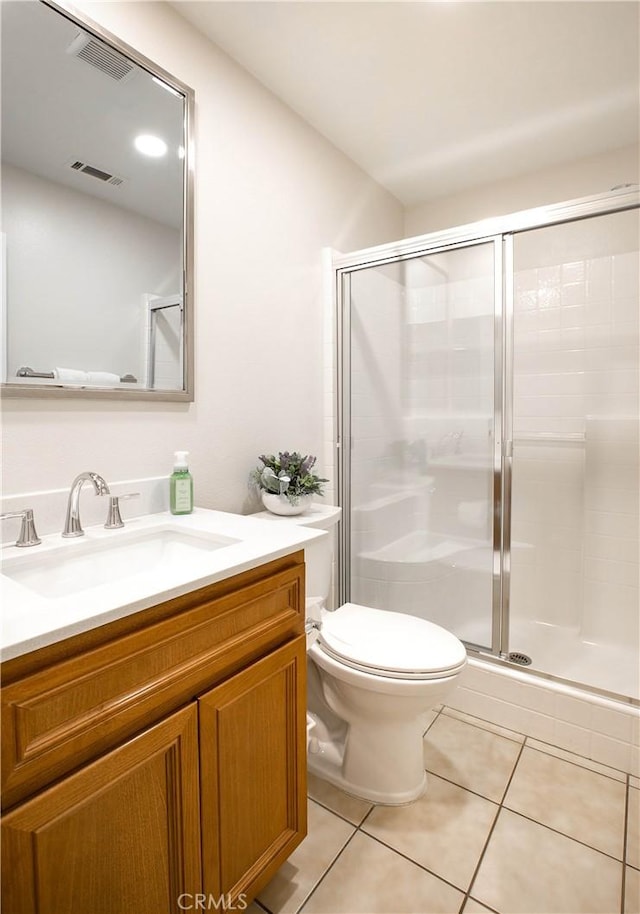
(31, 620)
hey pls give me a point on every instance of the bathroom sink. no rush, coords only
(73, 568)
(64, 587)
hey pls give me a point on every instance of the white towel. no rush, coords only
(70, 375)
(102, 378)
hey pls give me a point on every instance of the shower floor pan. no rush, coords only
(562, 651)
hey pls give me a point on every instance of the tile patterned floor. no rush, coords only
(507, 825)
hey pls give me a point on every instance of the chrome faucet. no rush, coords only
(27, 535)
(72, 525)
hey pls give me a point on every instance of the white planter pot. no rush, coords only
(280, 504)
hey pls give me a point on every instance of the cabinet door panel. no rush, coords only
(253, 772)
(121, 835)
(69, 713)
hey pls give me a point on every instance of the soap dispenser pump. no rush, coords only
(181, 485)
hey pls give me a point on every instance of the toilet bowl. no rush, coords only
(380, 673)
(373, 677)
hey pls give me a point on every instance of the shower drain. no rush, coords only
(518, 657)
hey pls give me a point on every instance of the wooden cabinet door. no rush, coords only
(253, 764)
(120, 835)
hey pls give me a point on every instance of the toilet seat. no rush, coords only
(390, 644)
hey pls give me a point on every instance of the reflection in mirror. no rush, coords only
(96, 238)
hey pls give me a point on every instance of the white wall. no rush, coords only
(581, 178)
(100, 260)
(270, 194)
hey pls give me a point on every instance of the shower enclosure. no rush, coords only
(488, 436)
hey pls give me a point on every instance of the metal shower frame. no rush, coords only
(500, 232)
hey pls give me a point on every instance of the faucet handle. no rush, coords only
(28, 535)
(114, 519)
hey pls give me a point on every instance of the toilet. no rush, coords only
(373, 677)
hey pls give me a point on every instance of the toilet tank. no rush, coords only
(319, 554)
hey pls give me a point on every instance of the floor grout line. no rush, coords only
(525, 738)
(483, 903)
(339, 814)
(562, 834)
(624, 844)
(326, 872)
(481, 796)
(421, 866)
(512, 775)
(493, 826)
(501, 805)
(481, 724)
(576, 764)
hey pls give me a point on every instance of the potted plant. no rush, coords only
(286, 481)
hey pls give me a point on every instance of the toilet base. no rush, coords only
(369, 744)
(328, 770)
(382, 764)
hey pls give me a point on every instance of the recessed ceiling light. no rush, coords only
(150, 145)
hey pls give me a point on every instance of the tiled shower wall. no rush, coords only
(377, 354)
(449, 385)
(450, 332)
(576, 447)
(421, 373)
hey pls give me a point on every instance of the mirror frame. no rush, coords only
(187, 394)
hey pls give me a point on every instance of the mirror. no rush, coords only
(97, 215)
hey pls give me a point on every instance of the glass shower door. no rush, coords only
(422, 530)
(576, 456)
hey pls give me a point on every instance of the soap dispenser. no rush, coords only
(181, 485)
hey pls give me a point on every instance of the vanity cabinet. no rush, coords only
(122, 834)
(160, 757)
(253, 755)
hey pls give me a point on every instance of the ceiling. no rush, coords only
(432, 98)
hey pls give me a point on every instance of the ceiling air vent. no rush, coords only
(94, 172)
(101, 56)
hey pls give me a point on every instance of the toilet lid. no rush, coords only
(390, 642)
